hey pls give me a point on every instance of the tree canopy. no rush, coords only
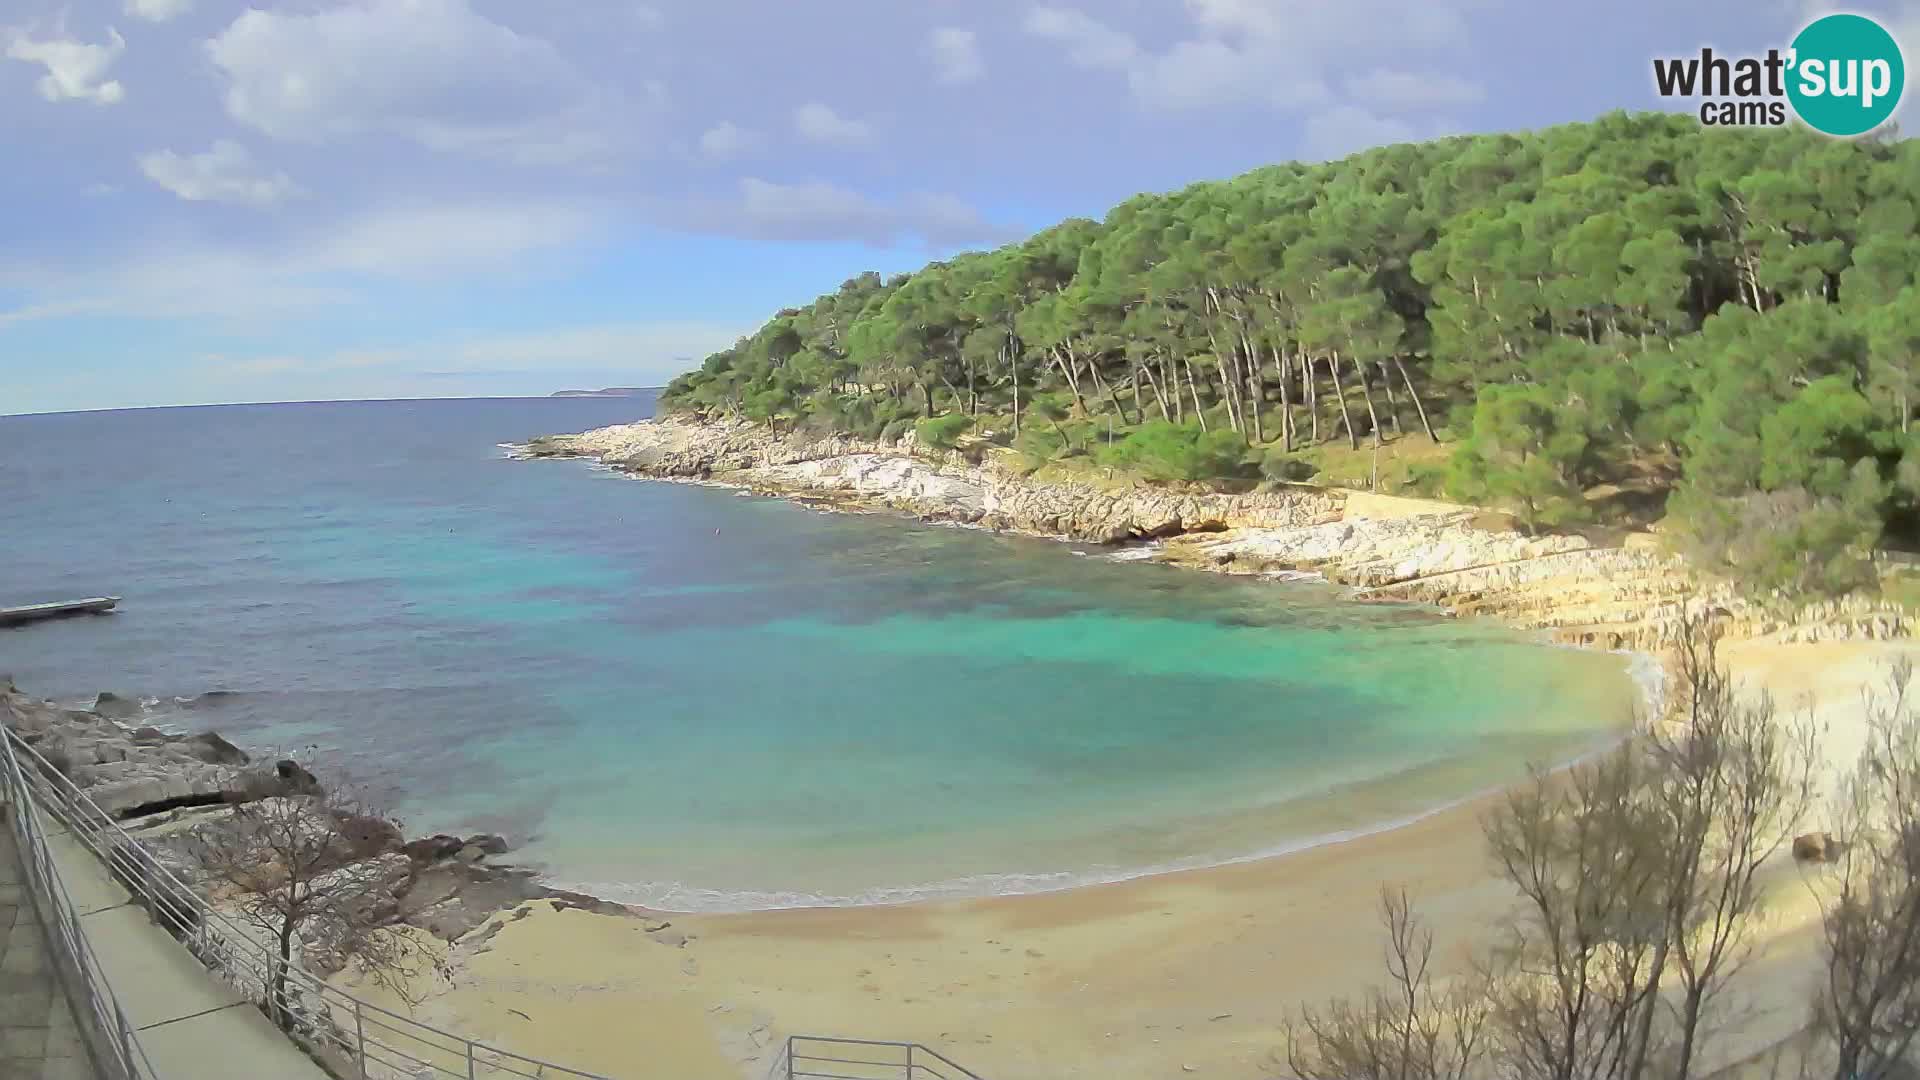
(1728, 316)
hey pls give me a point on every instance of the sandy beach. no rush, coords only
(1183, 974)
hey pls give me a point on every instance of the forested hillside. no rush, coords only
(1726, 319)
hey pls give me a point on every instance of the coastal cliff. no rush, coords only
(1596, 588)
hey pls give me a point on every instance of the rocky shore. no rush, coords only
(159, 787)
(1597, 588)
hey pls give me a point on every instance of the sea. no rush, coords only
(689, 698)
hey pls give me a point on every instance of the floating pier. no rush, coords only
(93, 605)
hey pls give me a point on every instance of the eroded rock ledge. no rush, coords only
(160, 786)
(1607, 590)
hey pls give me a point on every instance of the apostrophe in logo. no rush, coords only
(1843, 75)
(1846, 75)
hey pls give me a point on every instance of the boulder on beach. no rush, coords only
(294, 778)
(114, 707)
(1817, 847)
(488, 843)
(209, 747)
(432, 849)
(366, 836)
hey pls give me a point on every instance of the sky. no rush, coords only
(211, 201)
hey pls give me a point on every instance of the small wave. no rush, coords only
(678, 897)
(1650, 677)
(1137, 553)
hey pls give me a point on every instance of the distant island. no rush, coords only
(611, 391)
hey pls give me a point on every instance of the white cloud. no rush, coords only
(818, 123)
(650, 352)
(429, 241)
(610, 346)
(1090, 43)
(76, 70)
(1209, 74)
(727, 140)
(316, 267)
(1346, 129)
(956, 56)
(225, 173)
(1409, 90)
(828, 213)
(1281, 54)
(158, 10)
(434, 71)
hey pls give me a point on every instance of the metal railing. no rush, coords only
(109, 1036)
(349, 1036)
(818, 1057)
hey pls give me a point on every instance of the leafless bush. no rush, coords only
(1407, 1030)
(305, 867)
(1868, 1004)
(1636, 880)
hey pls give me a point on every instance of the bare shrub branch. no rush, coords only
(315, 870)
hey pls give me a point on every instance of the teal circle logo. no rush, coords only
(1846, 75)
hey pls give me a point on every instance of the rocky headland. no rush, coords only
(159, 787)
(1599, 588)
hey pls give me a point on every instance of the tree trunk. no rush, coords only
(278, 1001)
(1013, 358)
(1073, 383)
(1227, 394)
(1313, 393)
(1286, 398)
(1415, 395)
(1340, 395)
(1226, 382)
(1159, 397)
(1193, 387)
(1256, 391)
(1229, 382)
(1393, 406)
(1103, 386)
(1360, 372)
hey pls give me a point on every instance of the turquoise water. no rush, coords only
(679, 696)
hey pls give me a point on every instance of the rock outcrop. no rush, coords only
(1593, 589)
(166, 787)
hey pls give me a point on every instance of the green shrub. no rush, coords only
(895, 429)
(1178, 452)
(1277, 464)
(943, 431)
(1038, 446)
(1426, 478)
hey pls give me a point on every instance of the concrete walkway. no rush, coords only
(192, 1025)
(37, 1036)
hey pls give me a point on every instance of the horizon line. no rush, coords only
(559, 395)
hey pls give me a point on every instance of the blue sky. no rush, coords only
(209, 201)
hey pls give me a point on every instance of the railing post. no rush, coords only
(359, 1040)
(469, 1059)
(789, 1057)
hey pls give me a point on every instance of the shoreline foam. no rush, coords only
(662, 897)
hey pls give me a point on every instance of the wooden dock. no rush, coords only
(93, 605)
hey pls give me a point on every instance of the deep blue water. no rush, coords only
(677, 695)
